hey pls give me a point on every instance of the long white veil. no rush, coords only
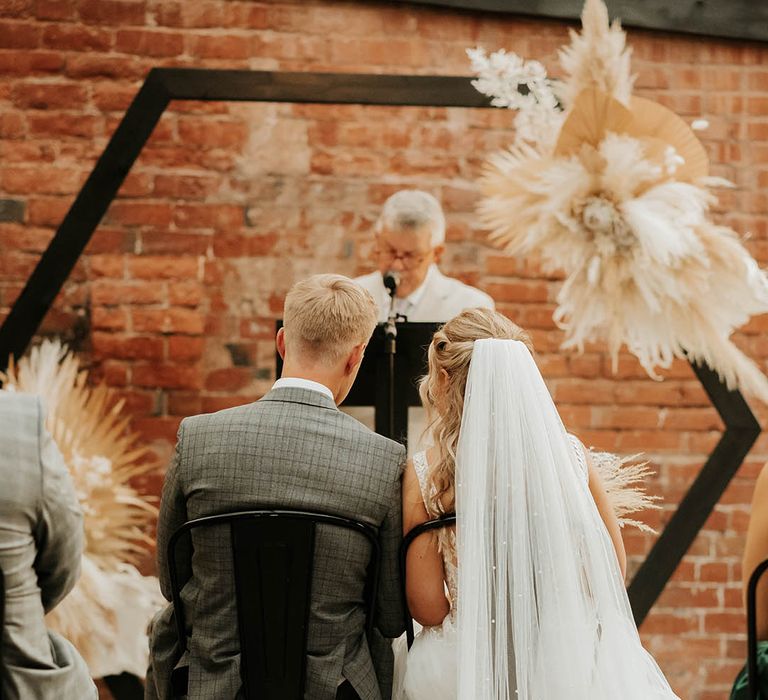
(542, 612)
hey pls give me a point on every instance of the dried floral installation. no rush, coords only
(107, 613)
(615, 191)
(623, 479)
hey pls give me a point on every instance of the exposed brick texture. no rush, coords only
(229, 204)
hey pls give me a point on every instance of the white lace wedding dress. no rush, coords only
(428, 670)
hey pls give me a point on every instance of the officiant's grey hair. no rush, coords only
(410, 210)
(325, 316)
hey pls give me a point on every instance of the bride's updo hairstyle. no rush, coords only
(442, 391)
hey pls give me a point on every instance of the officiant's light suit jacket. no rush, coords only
(442, 299)
(293, 448)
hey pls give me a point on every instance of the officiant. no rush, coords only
(410, 240)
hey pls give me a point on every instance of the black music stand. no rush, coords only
(371, 386)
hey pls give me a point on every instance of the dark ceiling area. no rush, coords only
(731, 19)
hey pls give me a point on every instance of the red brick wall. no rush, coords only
(228, 204)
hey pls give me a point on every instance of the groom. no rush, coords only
(292, 449)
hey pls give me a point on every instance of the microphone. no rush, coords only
(391, 280)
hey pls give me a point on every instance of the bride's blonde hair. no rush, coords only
(442, 391)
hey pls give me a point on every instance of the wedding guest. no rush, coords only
(41, 542)
(410, 240)
(291, 449)
(756, 551)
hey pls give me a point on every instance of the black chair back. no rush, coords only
(443, 521)
(752, 678)
(272, 554)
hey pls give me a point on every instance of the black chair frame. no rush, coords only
(754, 579)
(447, 520)
(233, 519)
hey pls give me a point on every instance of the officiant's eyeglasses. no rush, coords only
(409, 260)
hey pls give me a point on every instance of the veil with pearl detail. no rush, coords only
(542, 609)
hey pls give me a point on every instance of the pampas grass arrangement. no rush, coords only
(615, 191)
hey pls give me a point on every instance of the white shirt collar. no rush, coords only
(299, 383)
(415, 296)
(411, 301)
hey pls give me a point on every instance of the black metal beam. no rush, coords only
(74, 232)
(320, 88)
(734, 19)
(163, 85)
(741, 431)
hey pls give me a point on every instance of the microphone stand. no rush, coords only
(390, 350)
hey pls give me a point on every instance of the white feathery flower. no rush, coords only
(514, 83)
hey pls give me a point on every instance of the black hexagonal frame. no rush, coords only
(165, 84)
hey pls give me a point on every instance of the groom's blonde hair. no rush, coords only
(325, 316)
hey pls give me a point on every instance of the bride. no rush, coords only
(526, 599)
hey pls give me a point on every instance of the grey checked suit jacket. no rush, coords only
(293, 448)
(41, 541)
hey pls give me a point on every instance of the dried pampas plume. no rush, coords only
(623, 479)
(596, 58)
(106, 614)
